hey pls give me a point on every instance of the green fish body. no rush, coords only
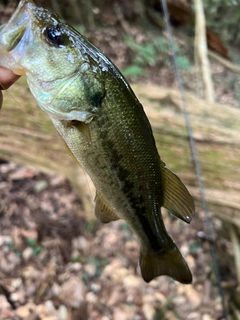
(104, 128)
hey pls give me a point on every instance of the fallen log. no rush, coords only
(216, 132)
(28, 137)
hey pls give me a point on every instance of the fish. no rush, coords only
(105, 129)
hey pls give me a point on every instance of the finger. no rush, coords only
(7, 78)
(1, 99)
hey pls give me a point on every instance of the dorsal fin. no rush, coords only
(177, 199)
(103, 212)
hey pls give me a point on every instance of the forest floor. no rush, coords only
(57, 265)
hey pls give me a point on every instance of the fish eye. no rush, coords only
(54, 35)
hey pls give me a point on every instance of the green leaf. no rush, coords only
(37, 250)
(183, 62)
(133, 71)
(90, 226)
(31, 242)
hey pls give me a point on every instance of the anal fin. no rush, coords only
(103, 212)
(177, 199)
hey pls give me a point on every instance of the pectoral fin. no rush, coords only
(177, 199)
(103, 212)
(83, 128)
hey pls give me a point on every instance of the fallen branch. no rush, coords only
(226, 63)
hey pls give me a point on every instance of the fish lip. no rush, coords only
(15, 35)
(23, 6)
(16, 25)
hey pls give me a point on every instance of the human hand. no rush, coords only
(7, 78)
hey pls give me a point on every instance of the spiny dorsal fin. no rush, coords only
(102, 211)
(177, 199)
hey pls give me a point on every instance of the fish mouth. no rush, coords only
(12, 32)
(16, 34)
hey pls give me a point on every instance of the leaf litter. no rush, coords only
(56, 265)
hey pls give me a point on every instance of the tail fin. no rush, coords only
(165, 262)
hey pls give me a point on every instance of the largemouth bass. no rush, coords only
(104, 128)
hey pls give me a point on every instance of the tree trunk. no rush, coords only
(29, 138)
(201, 51)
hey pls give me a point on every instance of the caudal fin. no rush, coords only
(165, 262)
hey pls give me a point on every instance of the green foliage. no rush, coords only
(31, 242)
(90, 226)
(195, 247)
(183, 62)
(223, 16)
(133, 71)
(36, 249)
(10, 245)
(161, 44)
(151, 53)
(147, 53)
(99, 264)
(125, 227)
